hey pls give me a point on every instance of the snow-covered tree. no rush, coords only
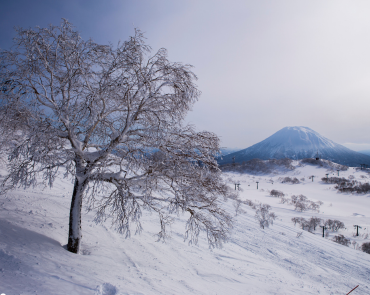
(264, 216)
(110, 117)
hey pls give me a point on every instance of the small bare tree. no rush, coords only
(296, 220)
(314, 222)
(264, 216)
(111, 117)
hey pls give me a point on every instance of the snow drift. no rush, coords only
(281, 259)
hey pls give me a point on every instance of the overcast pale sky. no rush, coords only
(262, 65)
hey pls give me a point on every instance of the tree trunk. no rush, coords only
(74, 236)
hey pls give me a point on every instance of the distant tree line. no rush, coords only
(344, 185)
(256, 166)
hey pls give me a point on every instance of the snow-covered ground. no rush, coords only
(34, 227)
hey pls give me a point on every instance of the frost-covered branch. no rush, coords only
(111, 117)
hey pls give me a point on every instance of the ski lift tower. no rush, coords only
(317, 156)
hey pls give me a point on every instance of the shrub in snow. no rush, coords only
(314, 222)
(301, 203)
(366, 247)
(296, 220)
(238, 208)
(328, 223)
(295, 199)
(276, 193)
(335, 180)
(348, 186)
(313, 206)
(290, 180)
(300, 206)
(340, 239)
(334, 225)
(362, 188)
(106, 289)
(284, 200)
(305, 224)
(311, 161)
(264, 216)
(248, 202)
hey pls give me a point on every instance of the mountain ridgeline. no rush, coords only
(298, 143)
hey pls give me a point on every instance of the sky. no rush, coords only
(261, 65)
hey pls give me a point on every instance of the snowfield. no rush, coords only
(281, 259)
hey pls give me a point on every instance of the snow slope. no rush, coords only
(34, 226)
(298, 143)
(365, 152)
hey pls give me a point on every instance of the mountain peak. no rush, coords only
(298, 142)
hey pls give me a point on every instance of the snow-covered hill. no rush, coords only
(226, 151)
(365, 152)
(298, 143)
(34, 226)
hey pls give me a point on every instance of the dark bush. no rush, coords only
(276, 193)
(340, 239)
(312, 161)
(336, 180)
(353, 186)
(290, 180)
(366, 248)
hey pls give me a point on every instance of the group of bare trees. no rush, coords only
(311, 224)
(287, 179)
(300, 202)
(258, 166)
(340, 239)
(344, 185)
(110, 118)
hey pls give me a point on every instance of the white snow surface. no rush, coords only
(34, 228)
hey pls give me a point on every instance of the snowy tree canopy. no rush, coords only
(112, 118)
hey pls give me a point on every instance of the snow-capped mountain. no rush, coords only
(298, 143)
(226, 151)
